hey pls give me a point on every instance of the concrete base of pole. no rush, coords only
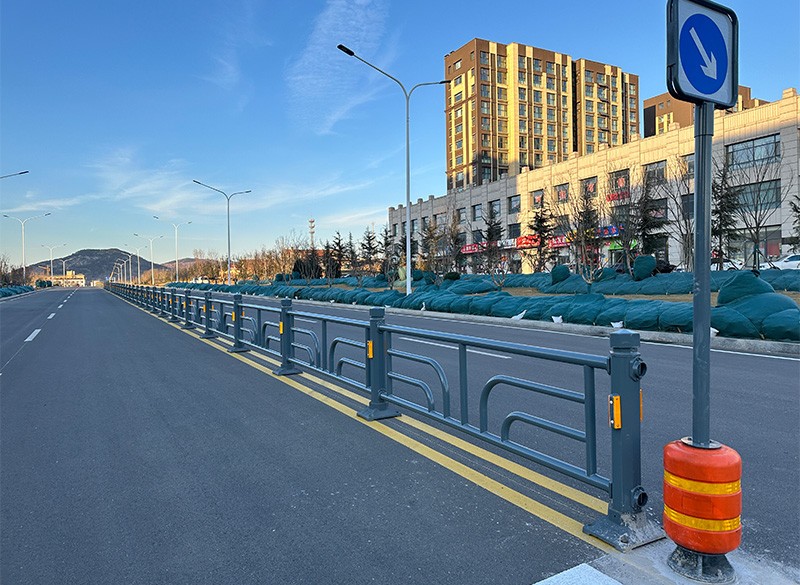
(701, 567)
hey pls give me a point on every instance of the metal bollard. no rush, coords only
(236, 315)
(187, 313)
(285, 328)
(162, 302)
(376, 369)
(151, 297)
(627, 524)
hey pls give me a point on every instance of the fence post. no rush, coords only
(628, 524)
(151, 297)
(173, 306)
(285, 329)
(162, 302)
(187, 313)
(376, 361)
(207, 311)
(236, 316)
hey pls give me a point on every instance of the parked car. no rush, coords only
(790, 261)
(718, 264)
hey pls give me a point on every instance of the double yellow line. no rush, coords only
(533, 507)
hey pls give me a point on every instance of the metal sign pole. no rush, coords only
(701, 292)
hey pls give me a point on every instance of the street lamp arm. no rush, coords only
(15, 174)
(352, 53)
(240, 193)
(209, 187)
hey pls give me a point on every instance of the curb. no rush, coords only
(759, 346)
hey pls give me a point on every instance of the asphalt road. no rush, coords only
(134, 453)
(755, 401)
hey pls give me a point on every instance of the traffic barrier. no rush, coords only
(703, 498)
(626, 524)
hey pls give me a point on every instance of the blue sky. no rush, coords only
(116, 106)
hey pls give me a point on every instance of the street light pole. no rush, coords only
(176, 225)
(22, 223)
(64, 268)
(152, 268)
(228, 198)
(407, 94)
(139, 266)
(51, 248)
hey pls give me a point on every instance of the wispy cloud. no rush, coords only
(356, 220)
(324, 84)
(34, 203)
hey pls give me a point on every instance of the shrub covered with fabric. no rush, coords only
(676, 318)
(743, 283)
(559, 273)
(643, 267)
(784, 325)
(471, 287)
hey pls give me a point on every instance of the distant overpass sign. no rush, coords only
(702, 52)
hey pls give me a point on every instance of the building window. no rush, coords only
(551, 146)
(394, 230)
(484, 58)
(523, 94)
(551, 68)
(486, 123)
(551, 83)
(459, 143)
(523, 110)
(457, 65)
(537, 96)
(589, 121)
(551, 129)
(687, 206)
(477, 212)
(763, 150)
(589, 148)
(601, 78)
(537, 112)
(589, 77)
(502, 110)
(589, 91)
(655, 173)
(537, 144)
(460, 179)
(760, 196)
(562, 193)
(514, 204)
(537, 80)
(485, 92)
(502, 93)
(458, 80)
(619, 185)
(459, 112)
(513, 230)
(494, 207)
(602, 136)
(551, 99)
(602, 93)
(551, 115)
(590, 136)
(484, 74)
(413, 226)
(523, 125)
(688, 165)
(520, 62)
(537, 198)
(485, 108)
(521, 77)
(462, 215)
(501, 61)
(459, 96)
(477, 236)
(459, 128)
(589, 186)
(537, 64)
(459, 160)
(486, 174)
(501, 77)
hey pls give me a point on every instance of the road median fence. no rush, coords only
(361, 354)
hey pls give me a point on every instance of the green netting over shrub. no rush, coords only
(676, 317)
(471, 287)
(612, 312)
(643, 315)
(742, 284)
(782, 326)
(758, 307)
(643, 267)
(508, 307)
(584, 309)
(731, 323)
(559, 274)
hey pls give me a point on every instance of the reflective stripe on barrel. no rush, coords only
(702, 497)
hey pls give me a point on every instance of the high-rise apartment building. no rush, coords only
(515, 107)
(663, 110)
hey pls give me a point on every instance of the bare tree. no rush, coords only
(542, 226)
(679, 191)
(753, 169)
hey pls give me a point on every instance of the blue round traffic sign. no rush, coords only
(703, 54)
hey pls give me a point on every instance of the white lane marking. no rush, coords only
(730, 351)
(477, 351)
(51, 315)
(33, 335)
(61, 305)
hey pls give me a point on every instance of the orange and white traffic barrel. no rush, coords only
(703, 497)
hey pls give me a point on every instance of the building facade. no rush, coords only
(757, 146)
(662, 111)
(515, 107)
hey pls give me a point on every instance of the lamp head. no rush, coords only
(346, 51)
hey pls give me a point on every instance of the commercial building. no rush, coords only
(758, 146)
(69, 279)
(510, 108)
(661, 111)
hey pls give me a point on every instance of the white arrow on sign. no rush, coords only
(710, 68)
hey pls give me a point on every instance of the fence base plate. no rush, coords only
(631, 531)
(240, 349)
(208, 336)
(378, 412)
(287, 370)
(184, 326)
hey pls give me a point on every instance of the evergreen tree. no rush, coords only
(724, 208)
(542, 227)
(369, 250)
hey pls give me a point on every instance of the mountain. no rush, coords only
(96, 264)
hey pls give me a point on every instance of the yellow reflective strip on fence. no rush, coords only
(369, 349)
(702, 487)
(702, 523)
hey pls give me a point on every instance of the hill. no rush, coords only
(94, 264)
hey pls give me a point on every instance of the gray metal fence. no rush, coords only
(273, 330)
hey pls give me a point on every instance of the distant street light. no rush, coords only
(63, 268)
(407, 95)
(22, 223)
(51, 248)
(228, 198)
(175, 225)
(15, 174)
(130, 266)
(152, 266)
(139, 266)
